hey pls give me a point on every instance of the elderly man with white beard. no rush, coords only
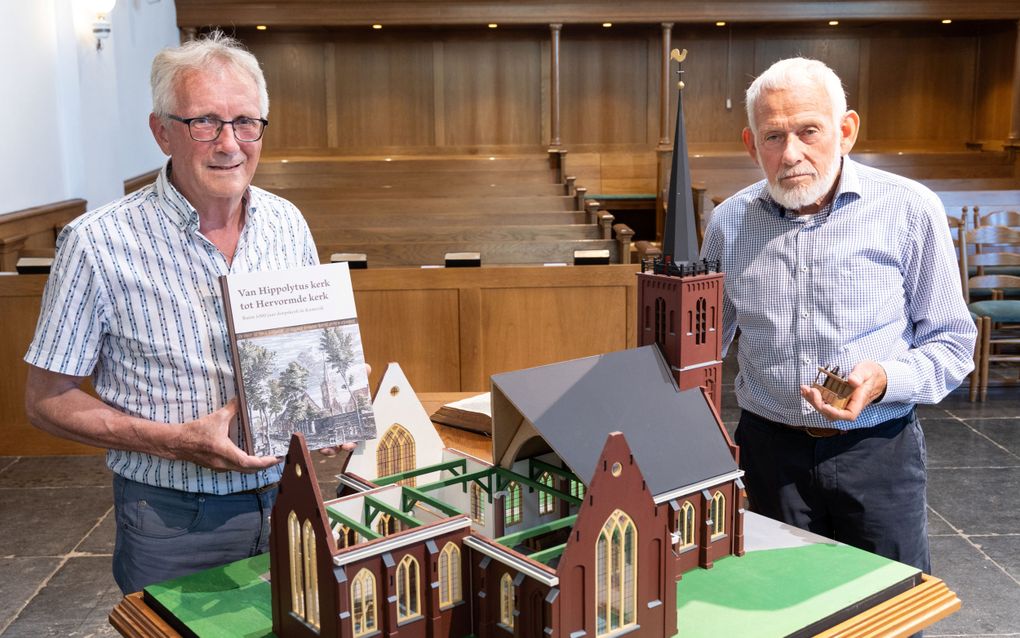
(832, 263)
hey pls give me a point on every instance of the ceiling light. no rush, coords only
(721, 23)
(261, 27)
(947, 21)
(493, 25)
(377, 26)
(833, 23)
(607, 24)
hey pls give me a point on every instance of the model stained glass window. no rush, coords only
(718, 514)
(449, 576)
(311, 576)
(506, 601)
(576, 488)
(616, 575)
(385, 524)
(363, 603)
(686, 526)
(477, 506)
(512, 504)
(546, 501)
(396, 453)
(408, 596)
(345, 536)
(297, 563)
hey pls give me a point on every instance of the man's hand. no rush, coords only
(206, 442)
(333, 451)
(868, 381)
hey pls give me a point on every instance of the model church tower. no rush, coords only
(679, 297)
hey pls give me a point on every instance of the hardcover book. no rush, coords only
(298, 358)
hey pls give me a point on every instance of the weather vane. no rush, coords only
(679, 56)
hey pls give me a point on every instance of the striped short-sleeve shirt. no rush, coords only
(872, 276)
(133, 299)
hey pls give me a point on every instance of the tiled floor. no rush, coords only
(56, 529)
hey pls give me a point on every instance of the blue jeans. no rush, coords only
(164, 533)
(865, 488)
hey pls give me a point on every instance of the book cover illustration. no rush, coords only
(298, 357)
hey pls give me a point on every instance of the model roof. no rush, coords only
(575, 405)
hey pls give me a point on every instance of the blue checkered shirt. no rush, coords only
(872, 276)
(133, 299)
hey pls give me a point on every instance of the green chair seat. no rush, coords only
(1004, 310)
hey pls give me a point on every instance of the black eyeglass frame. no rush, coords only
(219, 129)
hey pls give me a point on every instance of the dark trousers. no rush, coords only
(164, 533)
(865, 488)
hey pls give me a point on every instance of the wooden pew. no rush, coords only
(423, 205)
(33, 231)
(969, 204)
(449, 329)
(407, 219)
(400, 190)
(342, 181)
(390, 254)
(443, 232)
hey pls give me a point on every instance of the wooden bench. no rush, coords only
(426, 205)
(32, 232)
(389, 254)
(968, 205)
(400, 190)
(476, 218)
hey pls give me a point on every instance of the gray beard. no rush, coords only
(797, 198)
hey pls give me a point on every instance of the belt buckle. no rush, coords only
(821, 433)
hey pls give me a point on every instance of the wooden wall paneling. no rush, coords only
(492, 88)
(653, 85)
(385, 90)
(34, 229)
(839, 52)
(926, 95)
(294, 66)
(994, 86)
(545, 93)
(439, 91)
(604, 79)
(419, 329)
(710, 76)
(524, 327)
(20, 297)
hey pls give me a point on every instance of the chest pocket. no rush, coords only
(861, 297)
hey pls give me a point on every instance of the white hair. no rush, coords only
(208, 51)
(796, 72)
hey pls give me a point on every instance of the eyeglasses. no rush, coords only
(207, 129)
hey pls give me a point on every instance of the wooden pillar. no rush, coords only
(1014, 117)
(554, 89)
(664, 88)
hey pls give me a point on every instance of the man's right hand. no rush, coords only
(206, 442)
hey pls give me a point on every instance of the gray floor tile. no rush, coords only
(1005, 432)
(6, 462)
(977, 500)
(1004, 550)
(952, 443)
(76, 602)
(49, 521)
(990, 597)
(19, 579)
(100, 540)
(1002, 403)
(937, 526)
(57, 471)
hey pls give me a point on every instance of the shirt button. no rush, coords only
(807, 359)
(804, 314)
(803, 268)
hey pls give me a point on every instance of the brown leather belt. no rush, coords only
(817, 433)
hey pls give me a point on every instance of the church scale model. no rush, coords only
(611, 476)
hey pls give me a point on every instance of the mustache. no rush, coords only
(796, 172)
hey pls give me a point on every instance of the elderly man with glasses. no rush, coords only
(133, 302)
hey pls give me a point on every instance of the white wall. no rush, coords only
(74, 120)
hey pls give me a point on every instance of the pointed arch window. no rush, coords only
(512, 504)
(660, 320)
(396, 454)
(311, 583)
(717, 514)
(506, 601)
(408, 594)
(450, 591)
(385, 524)
(363, 603)
(616, 574)
(297, 565)
(546, 501)
(576, 488)
(686, 526)
(477, 504)
(701, 321)
(345, 536)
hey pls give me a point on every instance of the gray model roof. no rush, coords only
(576, 404)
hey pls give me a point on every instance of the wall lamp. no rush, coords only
(101, 27)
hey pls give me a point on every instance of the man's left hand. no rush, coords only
(333, 451)
(868, 381)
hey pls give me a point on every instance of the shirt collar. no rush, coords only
(179, 209)
(848, 189)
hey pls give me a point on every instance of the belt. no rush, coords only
(817, 433)
(258, 490)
